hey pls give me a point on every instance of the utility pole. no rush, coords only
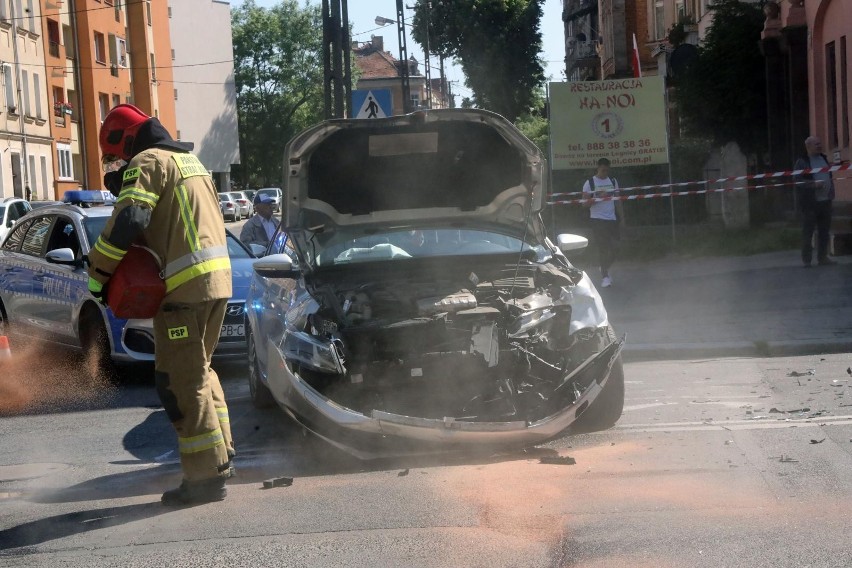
(428, 72)
(335, 49)
(403, 57)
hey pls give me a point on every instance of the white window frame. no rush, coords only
(121, 51)
(66, 163)
(100, 56)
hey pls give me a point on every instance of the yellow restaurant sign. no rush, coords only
(622, 119)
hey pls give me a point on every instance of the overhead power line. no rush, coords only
(104, 7)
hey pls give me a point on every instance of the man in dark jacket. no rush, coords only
(815, 197)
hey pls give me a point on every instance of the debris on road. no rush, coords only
(278, 482)
(787, 459)
(817, 441)
(802, 373)
(402, 473)
(774, 410)
(849, 370)
(557, 460)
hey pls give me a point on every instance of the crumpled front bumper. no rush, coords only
(382, 434)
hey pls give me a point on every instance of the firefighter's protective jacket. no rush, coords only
(169, 204)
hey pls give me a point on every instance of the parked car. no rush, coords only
(11, 209)
(230, 210)
(244, 203)
(250, 194)
(40, 204)
(44, 294)
(425, 309)
(274, 193)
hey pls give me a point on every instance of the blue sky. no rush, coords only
(362, 14)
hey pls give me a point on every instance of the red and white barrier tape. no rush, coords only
(788, 173)
(670, 194)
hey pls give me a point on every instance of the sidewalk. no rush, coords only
(758, 305)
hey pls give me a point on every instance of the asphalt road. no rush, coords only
(713, 463)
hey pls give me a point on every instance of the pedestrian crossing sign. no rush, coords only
(373, 103)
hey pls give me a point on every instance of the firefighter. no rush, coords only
(167, 202)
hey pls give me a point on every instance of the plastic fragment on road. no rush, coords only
(278, 482)
(557, 460)
(817, 441)
(774, 410)
(402, 473)
(787, 459)
(807, 373)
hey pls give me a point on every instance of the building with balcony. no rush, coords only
(582, 40)
(26, 146)
(97, 54)
(204, 92)
(381, 70)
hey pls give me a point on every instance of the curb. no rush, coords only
(679, 351)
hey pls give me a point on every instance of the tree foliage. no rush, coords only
(497, 43)
(723, 93)
(279, 80)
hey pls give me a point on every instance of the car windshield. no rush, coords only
(272, 192)
(352, 246)
(94, 226)
(224, 197)
(235, 249)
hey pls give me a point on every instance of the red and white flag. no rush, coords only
(637, 64)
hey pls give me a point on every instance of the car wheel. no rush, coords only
(260, 395)
(94, 341)
(605, 411)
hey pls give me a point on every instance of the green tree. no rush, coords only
(497, 43)
(279, 82)
(722, 94)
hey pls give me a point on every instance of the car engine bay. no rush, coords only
(490, 344)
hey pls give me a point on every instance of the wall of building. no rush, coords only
(205, 95)
(830, 29)
(26, 152)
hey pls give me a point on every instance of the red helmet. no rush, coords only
(119, 129)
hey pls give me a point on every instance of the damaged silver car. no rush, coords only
(414, 302)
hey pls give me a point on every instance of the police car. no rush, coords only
(44, 293)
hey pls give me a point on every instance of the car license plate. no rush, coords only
(229, 330)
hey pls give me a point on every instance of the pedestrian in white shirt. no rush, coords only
(260, 228)
(605, 216)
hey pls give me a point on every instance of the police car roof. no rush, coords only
(66, 208)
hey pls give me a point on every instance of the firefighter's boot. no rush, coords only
(196, 492)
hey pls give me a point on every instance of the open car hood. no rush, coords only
(441, 166)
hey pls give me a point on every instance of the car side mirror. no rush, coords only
(568, 242)
(63, 256)
(275, 266)
(257, 250)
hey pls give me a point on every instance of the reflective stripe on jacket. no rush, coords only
(169, 203)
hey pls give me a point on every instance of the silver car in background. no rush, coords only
(415, 302)
(229, 208)
(274, 193)
(242, 200)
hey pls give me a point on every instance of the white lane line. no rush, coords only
(648, 405)
(765, 424)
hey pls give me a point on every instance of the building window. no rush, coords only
(63, 156)
(58, 101)
(116, 100)
(37, 93)
(43, 162)
(178, 134)
(121, 51)
(831, 92)
(32, 177)
(68, 41)
(844, 92)
(659, 19)
(173, 55)
(9, 81)
(25, 92)
(170, 11)
(153, 69)
(31, 14)
(415, 100)
(53, 37)
(103, 105)
(100, 48)
(148, 11)
(176, 94)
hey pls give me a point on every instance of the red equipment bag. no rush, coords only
(136, 290)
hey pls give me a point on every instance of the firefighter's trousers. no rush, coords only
(185, 336)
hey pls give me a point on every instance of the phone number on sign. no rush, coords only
(615, 145)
